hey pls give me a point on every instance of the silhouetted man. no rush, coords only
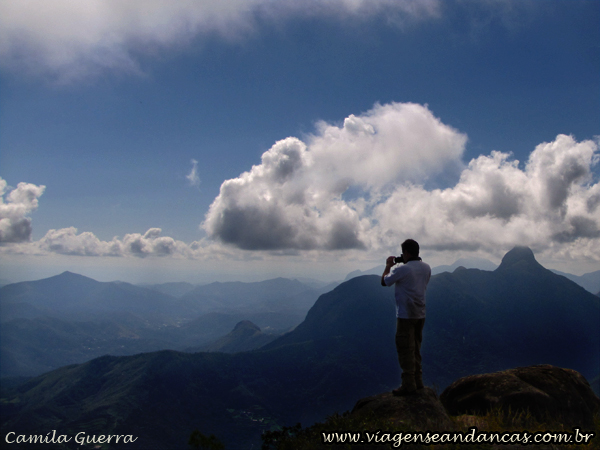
(410, 280)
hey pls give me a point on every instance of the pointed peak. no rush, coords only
(69, 277)
(66, 273)
(519, 254)
(72, 275)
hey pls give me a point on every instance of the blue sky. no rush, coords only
(378, 121)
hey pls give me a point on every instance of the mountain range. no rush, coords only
(70, 318)
(76, 296)
(477, 321)
(469, 263)
(589, 281)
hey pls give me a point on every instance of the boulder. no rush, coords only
(550, 394)
(420, 411)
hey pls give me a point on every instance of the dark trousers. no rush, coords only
(409, 335)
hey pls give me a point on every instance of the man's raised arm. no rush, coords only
(389, 263)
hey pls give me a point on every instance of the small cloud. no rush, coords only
(193, 177)
(67, 241)
(15, 226)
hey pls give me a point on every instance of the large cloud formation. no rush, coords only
(552, 203)
(295, 198)
(71, 39)
(362, 186)
(15, 225)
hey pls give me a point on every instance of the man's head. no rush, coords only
(410, 247)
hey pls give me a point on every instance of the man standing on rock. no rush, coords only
(410, 280)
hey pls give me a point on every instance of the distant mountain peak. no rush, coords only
(68, 277)
(67, 274)
(246, 325)
(518, 254)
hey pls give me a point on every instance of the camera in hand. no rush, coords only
(398, 259)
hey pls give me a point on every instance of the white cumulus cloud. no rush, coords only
(552, 203)
(15, 225)
(66, 241)
(294, 198)
(363, 186)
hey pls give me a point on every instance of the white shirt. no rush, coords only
(411, 283)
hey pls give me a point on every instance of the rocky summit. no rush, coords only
(548, 393)
(485, 410)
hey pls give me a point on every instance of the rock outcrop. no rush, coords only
(422, 410)
(551, 395)
(548, 393)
